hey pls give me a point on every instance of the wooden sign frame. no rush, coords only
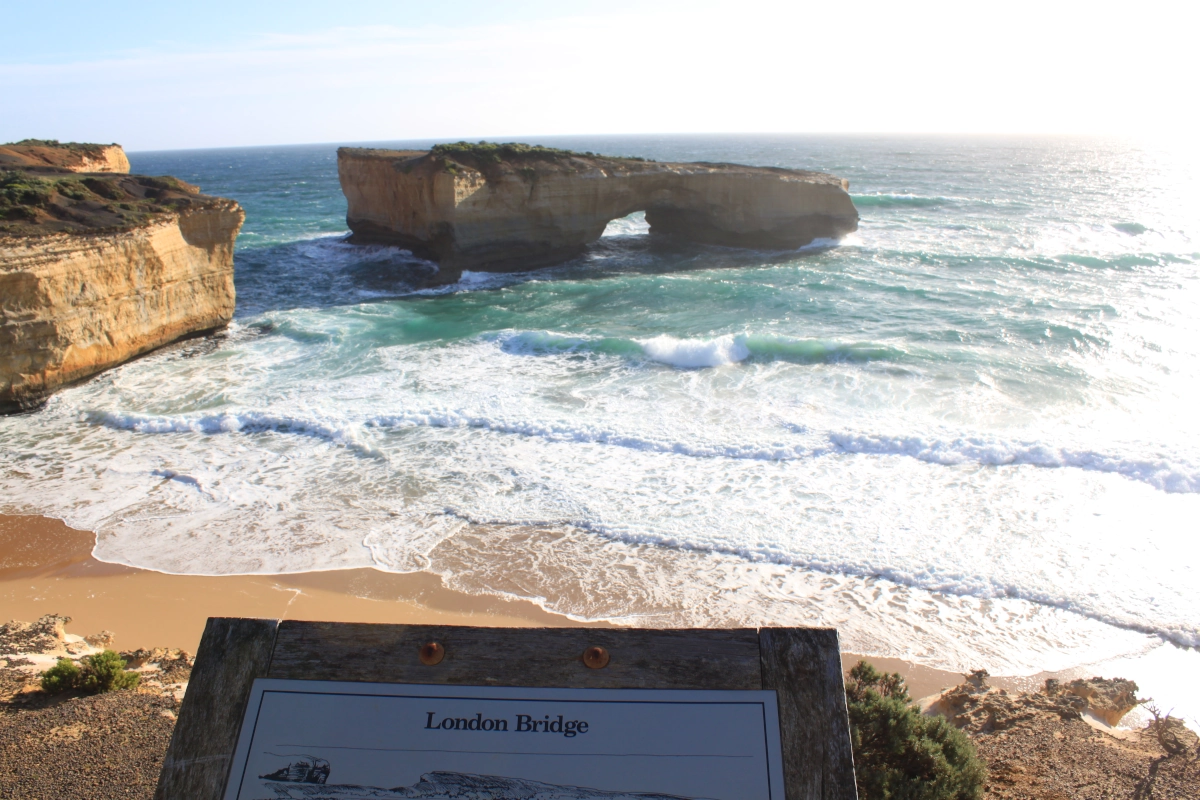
(802, 665)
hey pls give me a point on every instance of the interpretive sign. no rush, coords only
(304, 739)
(328, 710)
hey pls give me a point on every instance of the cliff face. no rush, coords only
(72, 305)
(70, 157)
(492, 210)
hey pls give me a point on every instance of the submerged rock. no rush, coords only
(506, 207)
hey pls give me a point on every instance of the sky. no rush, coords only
(155, 75)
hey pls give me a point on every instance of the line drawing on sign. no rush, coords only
(305, 780)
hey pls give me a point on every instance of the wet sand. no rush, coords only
(47, 567)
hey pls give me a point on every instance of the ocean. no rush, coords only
(965, 435)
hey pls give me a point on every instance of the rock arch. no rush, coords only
(488, 212)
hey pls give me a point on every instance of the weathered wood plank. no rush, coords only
(640, 659)
(803, 667)
(232, 653)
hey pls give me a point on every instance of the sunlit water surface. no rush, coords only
(965, 435)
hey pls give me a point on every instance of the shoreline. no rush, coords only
(47, 567)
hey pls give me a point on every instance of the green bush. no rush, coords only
(102, 672)
(62, 676)
(899, 754)
(105, 672)
(18, 189)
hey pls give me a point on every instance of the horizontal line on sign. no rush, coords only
(511, 752)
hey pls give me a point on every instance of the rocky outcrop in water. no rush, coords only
(508, 207)
(98, 269)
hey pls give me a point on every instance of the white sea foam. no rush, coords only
(691, 353)
(1161, 473)
(963, 584)
(236, 422)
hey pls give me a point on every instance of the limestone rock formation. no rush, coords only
(68, 157)
(1110, 699)
(977, 707)
(47, 636)
(507, 207)
(97, 270)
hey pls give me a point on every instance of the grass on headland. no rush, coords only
(85, 146)
(25, 197)
(485, 152)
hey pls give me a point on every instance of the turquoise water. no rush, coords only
(965, 435)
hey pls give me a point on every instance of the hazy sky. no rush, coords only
(155, 75)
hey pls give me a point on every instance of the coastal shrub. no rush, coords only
(72, 189)
(106, 189)
(900, 754)
(36, 143)
(62, 676)
(495, 152)
(19, 189)
(86, 146)
(102, 672)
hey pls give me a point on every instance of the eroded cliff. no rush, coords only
(64, 156)
(95, 271)
(502, 207)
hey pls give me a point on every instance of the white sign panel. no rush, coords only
(327, 740)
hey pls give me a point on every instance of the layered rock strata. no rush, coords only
(505, 207)
(97, 270)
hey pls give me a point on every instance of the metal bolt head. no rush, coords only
(432, 653)
(596, 657)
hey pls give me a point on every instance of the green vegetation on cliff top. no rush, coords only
(497, 152)
(41, 203)
(86, 146)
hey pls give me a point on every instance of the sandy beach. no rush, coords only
(47, 567)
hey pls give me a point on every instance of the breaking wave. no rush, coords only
(234, 422)
(1164, 474)
(695, 353)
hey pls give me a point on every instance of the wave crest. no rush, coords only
(699, 353)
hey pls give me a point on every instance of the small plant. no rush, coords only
(102, 672)
(105, 672)
(62, 677)
(899, 754)
(1163, 727)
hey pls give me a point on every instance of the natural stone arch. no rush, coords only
(468, 211)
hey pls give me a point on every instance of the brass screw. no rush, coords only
(596, 657)
(432, 653)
